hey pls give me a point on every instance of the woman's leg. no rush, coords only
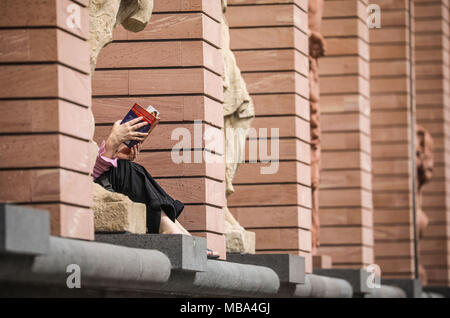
(134, 181)
(167, 226)
(182, 228)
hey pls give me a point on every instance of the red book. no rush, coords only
(150, 115)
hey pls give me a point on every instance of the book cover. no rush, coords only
(150, 115)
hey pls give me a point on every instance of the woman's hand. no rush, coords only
(120, 133)
(128, 153)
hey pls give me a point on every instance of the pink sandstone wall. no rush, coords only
(391, 104)
(433, 113)
(345, 189)
(45, 125)
(175, 64)
(270, 41)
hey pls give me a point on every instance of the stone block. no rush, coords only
(282, 238)
(356, 277)
(240, 241)
(115, 212)
(322, 261)
(441, 290)
(412, 287)
(186, 253)
(289, 268)
(24, 230)
(317, 286)
(45, 185)
(23, 156)
(386, 291)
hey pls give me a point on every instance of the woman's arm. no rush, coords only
(102, 163)
(128, 153)
(119, 133)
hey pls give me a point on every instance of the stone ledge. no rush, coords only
(356, 277)
(317, 286)
(102, 266)
(289, 268)
(24, 230)
(386, 291)
(186, 253)
(117, 271)
(224, 279)
(412, 287)
(444, 291)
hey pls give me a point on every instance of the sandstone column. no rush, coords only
(174, 64)
(391, 141)
(345, 186)
(270, 42)
(433, 113)
(46, 121)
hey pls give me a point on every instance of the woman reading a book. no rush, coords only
(115, 170)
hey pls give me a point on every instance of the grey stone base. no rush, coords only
(317, 286)
(412, 287)
(186, 253)
(289, 268)
(444, 291)
(386, 291)
(356, 277)
(23, 230)
(42, 290)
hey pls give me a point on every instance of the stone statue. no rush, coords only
(106, 15)
(115, 212)
(424, 165)
(238, 111)
(316, 50)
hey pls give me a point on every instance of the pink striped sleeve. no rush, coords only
(102, 164)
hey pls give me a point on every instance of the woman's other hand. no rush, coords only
(128, 153)
(124, 132)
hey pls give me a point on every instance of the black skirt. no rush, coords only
(135, 182)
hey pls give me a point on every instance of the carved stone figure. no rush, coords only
(106, 15)
(238, 111)
(424, 165)
(316, 50)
